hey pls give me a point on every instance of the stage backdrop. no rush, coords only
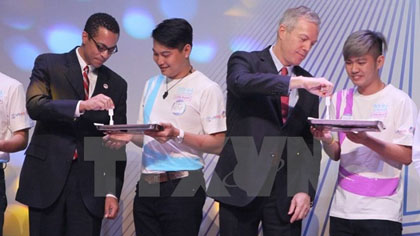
(31, 27)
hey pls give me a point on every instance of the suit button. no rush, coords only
(297, 154)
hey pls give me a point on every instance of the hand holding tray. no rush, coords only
(348, 125)
(129, 128)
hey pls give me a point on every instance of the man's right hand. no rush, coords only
(96, 103)
(318, 86)
(322, 134)
(117, 140)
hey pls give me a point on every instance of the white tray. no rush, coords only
(348, 125)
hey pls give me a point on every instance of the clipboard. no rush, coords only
(348, 125)
(129, 128)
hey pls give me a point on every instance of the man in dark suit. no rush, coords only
(66, 192)
(256, 179)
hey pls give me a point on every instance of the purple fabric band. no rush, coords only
(348, 109)
(364, 186)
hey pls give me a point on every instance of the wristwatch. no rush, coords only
(180, 137)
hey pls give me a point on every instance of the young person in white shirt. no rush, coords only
(191, 108)
(369, 192)
(14, 128)
(416, 146)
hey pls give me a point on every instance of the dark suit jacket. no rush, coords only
(253, 110)
(55, 88)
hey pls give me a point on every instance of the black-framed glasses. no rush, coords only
(102, 48)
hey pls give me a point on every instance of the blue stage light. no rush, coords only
(244, 44)
(203, 52)
(138, 23)
(180, 8)
(19, 24)
(63, 38)
(21, 52)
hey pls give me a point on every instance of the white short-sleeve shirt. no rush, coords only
(194, 104)
(13, 115)
(369, 186)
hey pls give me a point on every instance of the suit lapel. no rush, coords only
(102, 83)
(268, 66)
(74, 74)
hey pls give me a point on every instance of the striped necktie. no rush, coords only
(86, 81)
(284, 99)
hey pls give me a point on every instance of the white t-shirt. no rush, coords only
(416, 146)
(194, 104)
(13, 115)
(368, 185)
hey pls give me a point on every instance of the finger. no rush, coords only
(302, 214)
(292, 207)
(118, 145)
(105, 103)
(113, 146)
(109, 104)
(108, 143)
(105, 143)
(109, 210)
(106, 215)
(112, 213)
(294, 217)
(299, 213)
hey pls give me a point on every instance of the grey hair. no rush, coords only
(362, 42)
(292, 15)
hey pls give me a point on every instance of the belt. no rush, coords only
(164, 177)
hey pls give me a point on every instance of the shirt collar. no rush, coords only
(277, 62)
(82, 62)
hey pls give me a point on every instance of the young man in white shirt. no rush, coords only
(368, 197)
(191, 108)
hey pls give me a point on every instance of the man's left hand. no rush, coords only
(299, 206)
(111, 208)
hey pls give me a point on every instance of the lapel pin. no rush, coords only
(105, 86)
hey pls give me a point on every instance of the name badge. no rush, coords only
(178, 108)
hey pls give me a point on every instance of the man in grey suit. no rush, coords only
(66, 192)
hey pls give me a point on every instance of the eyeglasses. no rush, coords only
(102, 48)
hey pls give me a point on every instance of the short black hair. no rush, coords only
(173, 33)
(101, 20)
